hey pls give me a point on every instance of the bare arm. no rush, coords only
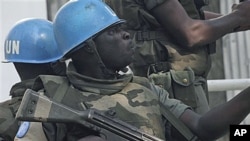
(216, 122)
(190, 32)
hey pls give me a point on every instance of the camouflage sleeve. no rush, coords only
(8, 123)
(150, 4)
(175, 106)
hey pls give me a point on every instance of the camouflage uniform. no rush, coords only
(157, 53)
(133, 99)
(8, 109)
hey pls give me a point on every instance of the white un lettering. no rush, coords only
(12, 46)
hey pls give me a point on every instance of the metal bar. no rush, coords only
(228, 84)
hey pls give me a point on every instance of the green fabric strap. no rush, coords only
(178, 124)
(61, 91)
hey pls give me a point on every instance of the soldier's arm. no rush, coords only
(189, 32)
(216, 122)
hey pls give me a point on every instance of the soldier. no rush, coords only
(31, 47)
(99, 48)
(173, 50)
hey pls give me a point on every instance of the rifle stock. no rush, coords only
(39, 108)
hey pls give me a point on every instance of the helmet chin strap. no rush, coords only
(107, 73)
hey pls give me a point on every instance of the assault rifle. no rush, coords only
(39, 108)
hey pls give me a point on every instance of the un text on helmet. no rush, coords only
(12, 46)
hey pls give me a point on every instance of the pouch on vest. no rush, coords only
(179, 84)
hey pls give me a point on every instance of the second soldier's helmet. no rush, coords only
(78, 20)
(31, 40)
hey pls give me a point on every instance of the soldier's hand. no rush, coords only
(243, 12)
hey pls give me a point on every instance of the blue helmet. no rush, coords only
(31, 40)
(78, 20)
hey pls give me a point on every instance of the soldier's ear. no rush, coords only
(88, 49)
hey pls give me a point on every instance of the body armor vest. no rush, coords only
(134, 104)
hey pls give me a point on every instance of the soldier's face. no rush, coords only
(115, 47)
